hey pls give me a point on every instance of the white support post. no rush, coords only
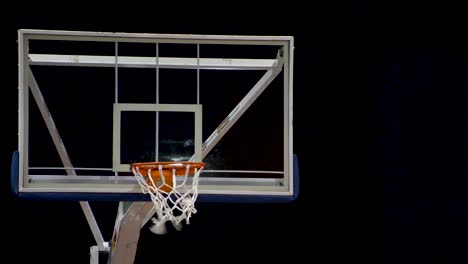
(156, 151)
(63, 155)
(198, 73)
(116, 70)
(127, 232)
(94, 255)
(116, 85)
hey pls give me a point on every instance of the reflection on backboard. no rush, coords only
(92, 103)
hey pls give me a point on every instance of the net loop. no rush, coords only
(172, 186)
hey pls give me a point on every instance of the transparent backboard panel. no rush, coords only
(175, 139)
(73, 89)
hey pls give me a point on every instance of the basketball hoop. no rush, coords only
(171, 189)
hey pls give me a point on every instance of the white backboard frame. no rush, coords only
(28, 182)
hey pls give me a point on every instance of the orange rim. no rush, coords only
(180, 167)
(167, 169)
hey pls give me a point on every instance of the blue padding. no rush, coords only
(15, 172)
(143, 197)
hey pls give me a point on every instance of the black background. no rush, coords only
(380, 128)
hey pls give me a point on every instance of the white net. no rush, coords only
(173, 190)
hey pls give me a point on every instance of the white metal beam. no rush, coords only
(288, 51)
(63, 155)
(23, 111)
(154, 38)
(212, 180)
(150, 62)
